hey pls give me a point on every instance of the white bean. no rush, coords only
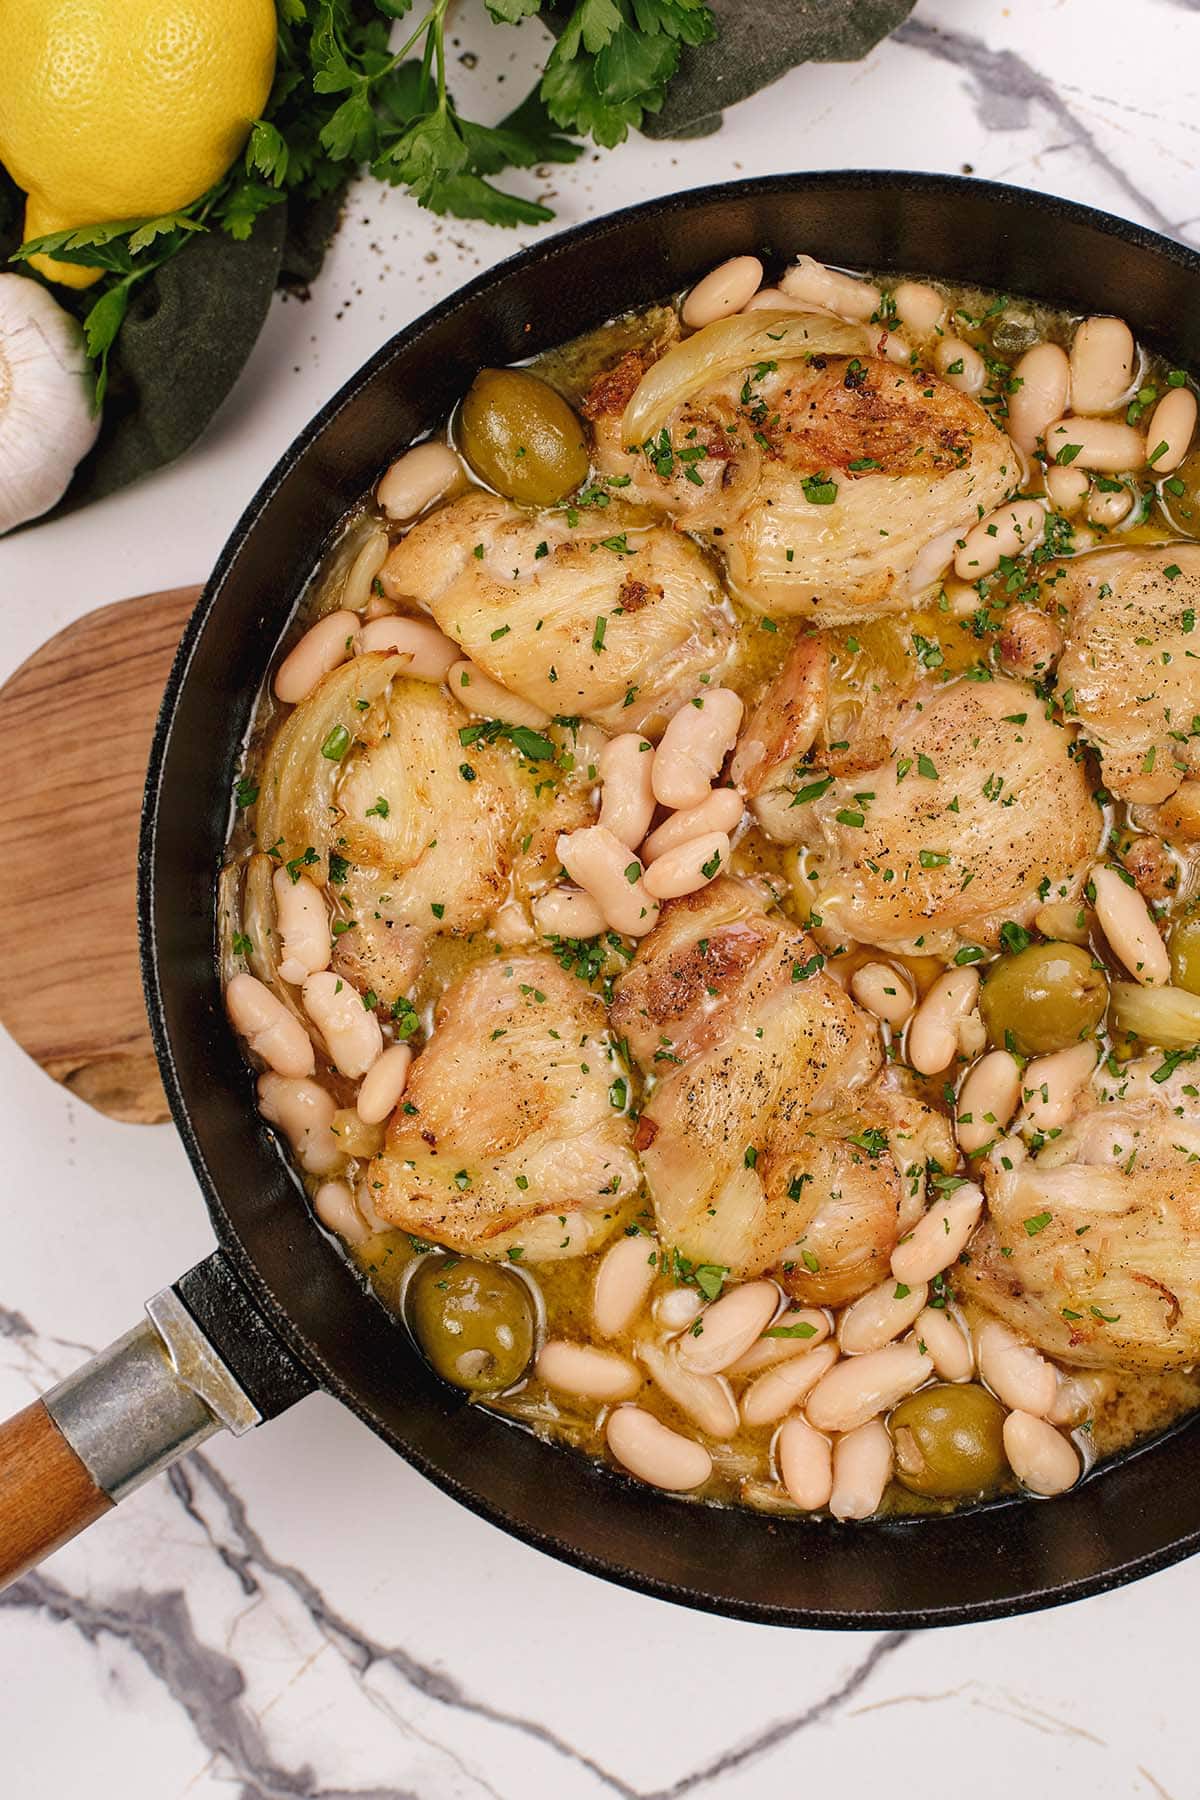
(567, 912)
(939, 1237)
(688, 867)
(610, 872)
(728, 1327)
(304, 1112)
(626, 766)
(1011, 530)
(586, 1372)
(706, 1399)
(1050, 1084)
(770, 300)
(1014, 1371)
(1107, 507)
(1102, 358)
(961, 365)
(918, 306)
(303, 926)
(862, 1386)
(987, 1100)
(1076, 1397)
(949, 1348)
(894, 347)
(350, 1030)
(1106, 446)
(416, 479)
(1129, 926)
(384, 1084)
(356, 589)
(862, 1468)
(810, 281)
(720, 811)
(271, 1031)
(931, 563)
(1169, 434)
(1041, 1458)
(809, 1327)
(623, 1280)
(512, 924)
(431, 654)
(726, 289)
(879, 1316)
(884, 991)
(694, 745)
(934, 1036)
(648, 1449)
(324, 645)
(805, 1459)
(1068, 488)
(677, 1309)
(488, 700)
(334, 1205)
(776, 1392)
(1044, 374)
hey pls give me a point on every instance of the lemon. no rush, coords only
(121, 109)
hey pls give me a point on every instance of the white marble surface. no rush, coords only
(299, 1614)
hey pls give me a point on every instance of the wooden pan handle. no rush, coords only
(46, 1494)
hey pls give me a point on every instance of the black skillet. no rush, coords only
(276, 1301)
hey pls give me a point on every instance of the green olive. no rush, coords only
(1184, 945)
(521, 437)
(950, 1442)
(473, 1320)
(1044, 998)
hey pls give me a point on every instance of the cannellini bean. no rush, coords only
(567, 912)
(379, 607)
(1107, 507)
(810, 281)
(1014, 1371)
(894, 347)
(488, 700)
(694, 745)
(862, 1468)
(432, 655)
(961, 365)
(304, 1112)
(776, 1392)
(586, 1372)
(610, 872)
(1128, 924)
(623, 1280)
(1050, 1084)
(935, 1034)
(1068, 488)
(726, 289)
(324, 645)
(418, 478)
(271, 1031)
(805, 1460)
(677, 1309)
(303, 925)
(728, 1327)
(1041, 1458)
(884, 991)
(810, 1326)
(880, 1315)
(648, 1449)
(939, 1237)
(1106, 446)
(512, 924)
(356, 589)
(384, 1084)
(770, 300)
(688, 867)
(1076, 1397)
(932, 561)
(720, 811)
(706, 1399)
(1044, 374)
(918, 306)
(1011, 530)
(350, 1030)
(1102, 359)
(1169, 433)
(987, 1100)
(948, 1347)
(626, 766)
(334, 1205)
(861, 1386)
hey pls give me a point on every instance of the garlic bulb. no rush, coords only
(46, 418)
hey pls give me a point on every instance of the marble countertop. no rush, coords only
(299, 1614)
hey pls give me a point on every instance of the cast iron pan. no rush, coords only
(278, 1300)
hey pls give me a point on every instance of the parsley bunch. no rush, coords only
(344, 100)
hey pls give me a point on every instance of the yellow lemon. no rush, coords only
(120, 109)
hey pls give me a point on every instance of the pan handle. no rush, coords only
(150, 1397)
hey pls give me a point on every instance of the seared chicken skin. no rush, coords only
(610, 618)
(509, 1138)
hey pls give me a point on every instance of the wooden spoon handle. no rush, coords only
(46, 1494)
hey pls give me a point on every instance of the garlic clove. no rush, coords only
(46, 420)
